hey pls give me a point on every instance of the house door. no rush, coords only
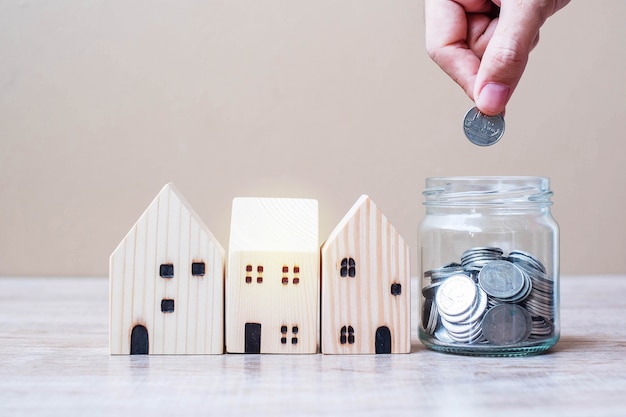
(139, 340)
(383, 340)
(253, 338)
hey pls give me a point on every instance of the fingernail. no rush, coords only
(492, 98)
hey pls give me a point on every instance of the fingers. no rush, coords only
(484, 51)
(447, 39)
(506, 55)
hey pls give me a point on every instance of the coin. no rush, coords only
(503, 280)
(507, 324)
(429, 316)
(456, 295)
(481, 129)
(475, 258)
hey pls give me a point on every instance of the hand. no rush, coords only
(484, 45)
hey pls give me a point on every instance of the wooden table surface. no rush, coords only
(54, 361)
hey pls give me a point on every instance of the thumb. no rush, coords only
(506, 55)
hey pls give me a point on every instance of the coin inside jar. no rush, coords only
(456, 295)
(503, 280)
(506, 324)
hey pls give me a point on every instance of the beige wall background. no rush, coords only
(103, 102)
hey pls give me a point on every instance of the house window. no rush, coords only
(285, 276)
(396, 288)
(284, 332)
(198, 269)
(347, 268)
(296, 275)
(346, 335)
(166, 270)
(285, 279)
(167, 306)
(249, 274)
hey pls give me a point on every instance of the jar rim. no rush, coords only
(487, 190)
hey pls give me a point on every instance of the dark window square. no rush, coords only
(296, 269)
(285, 281)
(248, 268)
(259, 268)
(259, 280)
(294, 340)
(283, 340)
(283, 329)
(167, 306)
(343, 271)
(351, 272)
(285, 269)
(350, 339)
(294, 329)
(342, 339)
(198, 268)
(167, 270)
(296, 280)
(396, 289)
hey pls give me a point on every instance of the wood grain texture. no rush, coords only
(182, 313)
(55, 361)
(365, 276)
(273, 275)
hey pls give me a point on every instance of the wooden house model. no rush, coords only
(365, 277)
(272, 278)
(167, 283)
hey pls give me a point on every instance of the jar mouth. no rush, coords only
(481, 190)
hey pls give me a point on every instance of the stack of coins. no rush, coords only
(490, 298)
(474, 259)
(461, 305)
(540, 301)
(430, 316)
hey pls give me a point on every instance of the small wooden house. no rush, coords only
(167, 283)
(365, 275)
(272, 278)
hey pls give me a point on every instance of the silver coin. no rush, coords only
(479, 307)
(541, 328)
(502, 279)
(507, 324)
(446, 271)
(456, 295)
(429, 316)
(483, 130)
(525, 257)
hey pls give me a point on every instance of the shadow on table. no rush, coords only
(577, 343)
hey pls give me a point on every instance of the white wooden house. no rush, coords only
(167, 283)
(272, 278)
(365, 277)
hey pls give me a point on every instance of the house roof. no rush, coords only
(169, 200)
(363, 202)
(274, 225)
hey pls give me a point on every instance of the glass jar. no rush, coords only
(489, 275)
